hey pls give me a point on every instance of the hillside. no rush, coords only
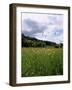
(33, 42)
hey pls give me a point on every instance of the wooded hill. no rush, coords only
(33, 42)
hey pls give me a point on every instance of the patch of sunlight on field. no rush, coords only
(42, 61)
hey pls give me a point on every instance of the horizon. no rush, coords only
(41, 40)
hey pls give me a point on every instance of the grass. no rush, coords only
(42, 61)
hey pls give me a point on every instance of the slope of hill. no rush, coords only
(33, 42)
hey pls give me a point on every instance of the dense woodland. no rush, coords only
(33, 42)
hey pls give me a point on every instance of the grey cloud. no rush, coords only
(34, 26)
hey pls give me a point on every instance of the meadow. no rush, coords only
(41, 61)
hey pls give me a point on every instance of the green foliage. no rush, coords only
(42, 61)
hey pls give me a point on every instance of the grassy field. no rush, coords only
(42, 61)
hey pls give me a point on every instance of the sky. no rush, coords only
(48, 27)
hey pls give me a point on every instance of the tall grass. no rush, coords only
(41, 62)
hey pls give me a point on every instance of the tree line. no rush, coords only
(33, 42)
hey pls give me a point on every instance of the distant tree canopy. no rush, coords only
(33, 42)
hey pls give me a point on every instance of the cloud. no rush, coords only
(34, 27)
(58, 32)
(53, 35)
(55, 19)
(43, 26)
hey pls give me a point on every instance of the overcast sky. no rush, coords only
(47, 27)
